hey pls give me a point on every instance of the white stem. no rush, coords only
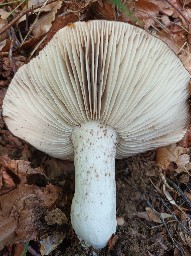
(93, 212)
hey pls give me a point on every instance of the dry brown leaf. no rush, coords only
(112, 242)
(147, 6)
(106, 10)
(21, 211)
(146, 11)
(154, 217)
(44, 23)
(163, 6)
(5, 45)
(59, 23)
(56, 216)
(143, 215)
(16, 172)
(168, 154)
(50, 243)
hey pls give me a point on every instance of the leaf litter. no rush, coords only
(153, 189)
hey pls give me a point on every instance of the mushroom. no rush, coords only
(99, 90)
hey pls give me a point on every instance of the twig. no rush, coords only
(5, 28)
(180, 192)
(27, 17)
(11, 59)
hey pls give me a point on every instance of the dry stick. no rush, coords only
(11, 59)
(180, 192)
(5, 28)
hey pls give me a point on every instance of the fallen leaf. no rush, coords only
(5, 45)
(106, 10)
(143, 215)
(44, 23)
(146, 11)
(21, 212)
(112, 242)
(59, 23)
(56, 216)
(156, 217)
(16, 172)
(51, 242)
(168, 154)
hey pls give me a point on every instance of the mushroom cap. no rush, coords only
(108, 71)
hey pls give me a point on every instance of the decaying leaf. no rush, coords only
(56, 216)
(49, 243)
(112, 242)
(168, 154)
(14, 172)
(152, 216)
(44, 23)
(21, 210)
(5, 45)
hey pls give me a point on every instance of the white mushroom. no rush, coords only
(94, 85)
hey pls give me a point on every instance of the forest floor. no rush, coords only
(36, 190)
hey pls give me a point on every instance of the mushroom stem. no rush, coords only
(93, 212)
